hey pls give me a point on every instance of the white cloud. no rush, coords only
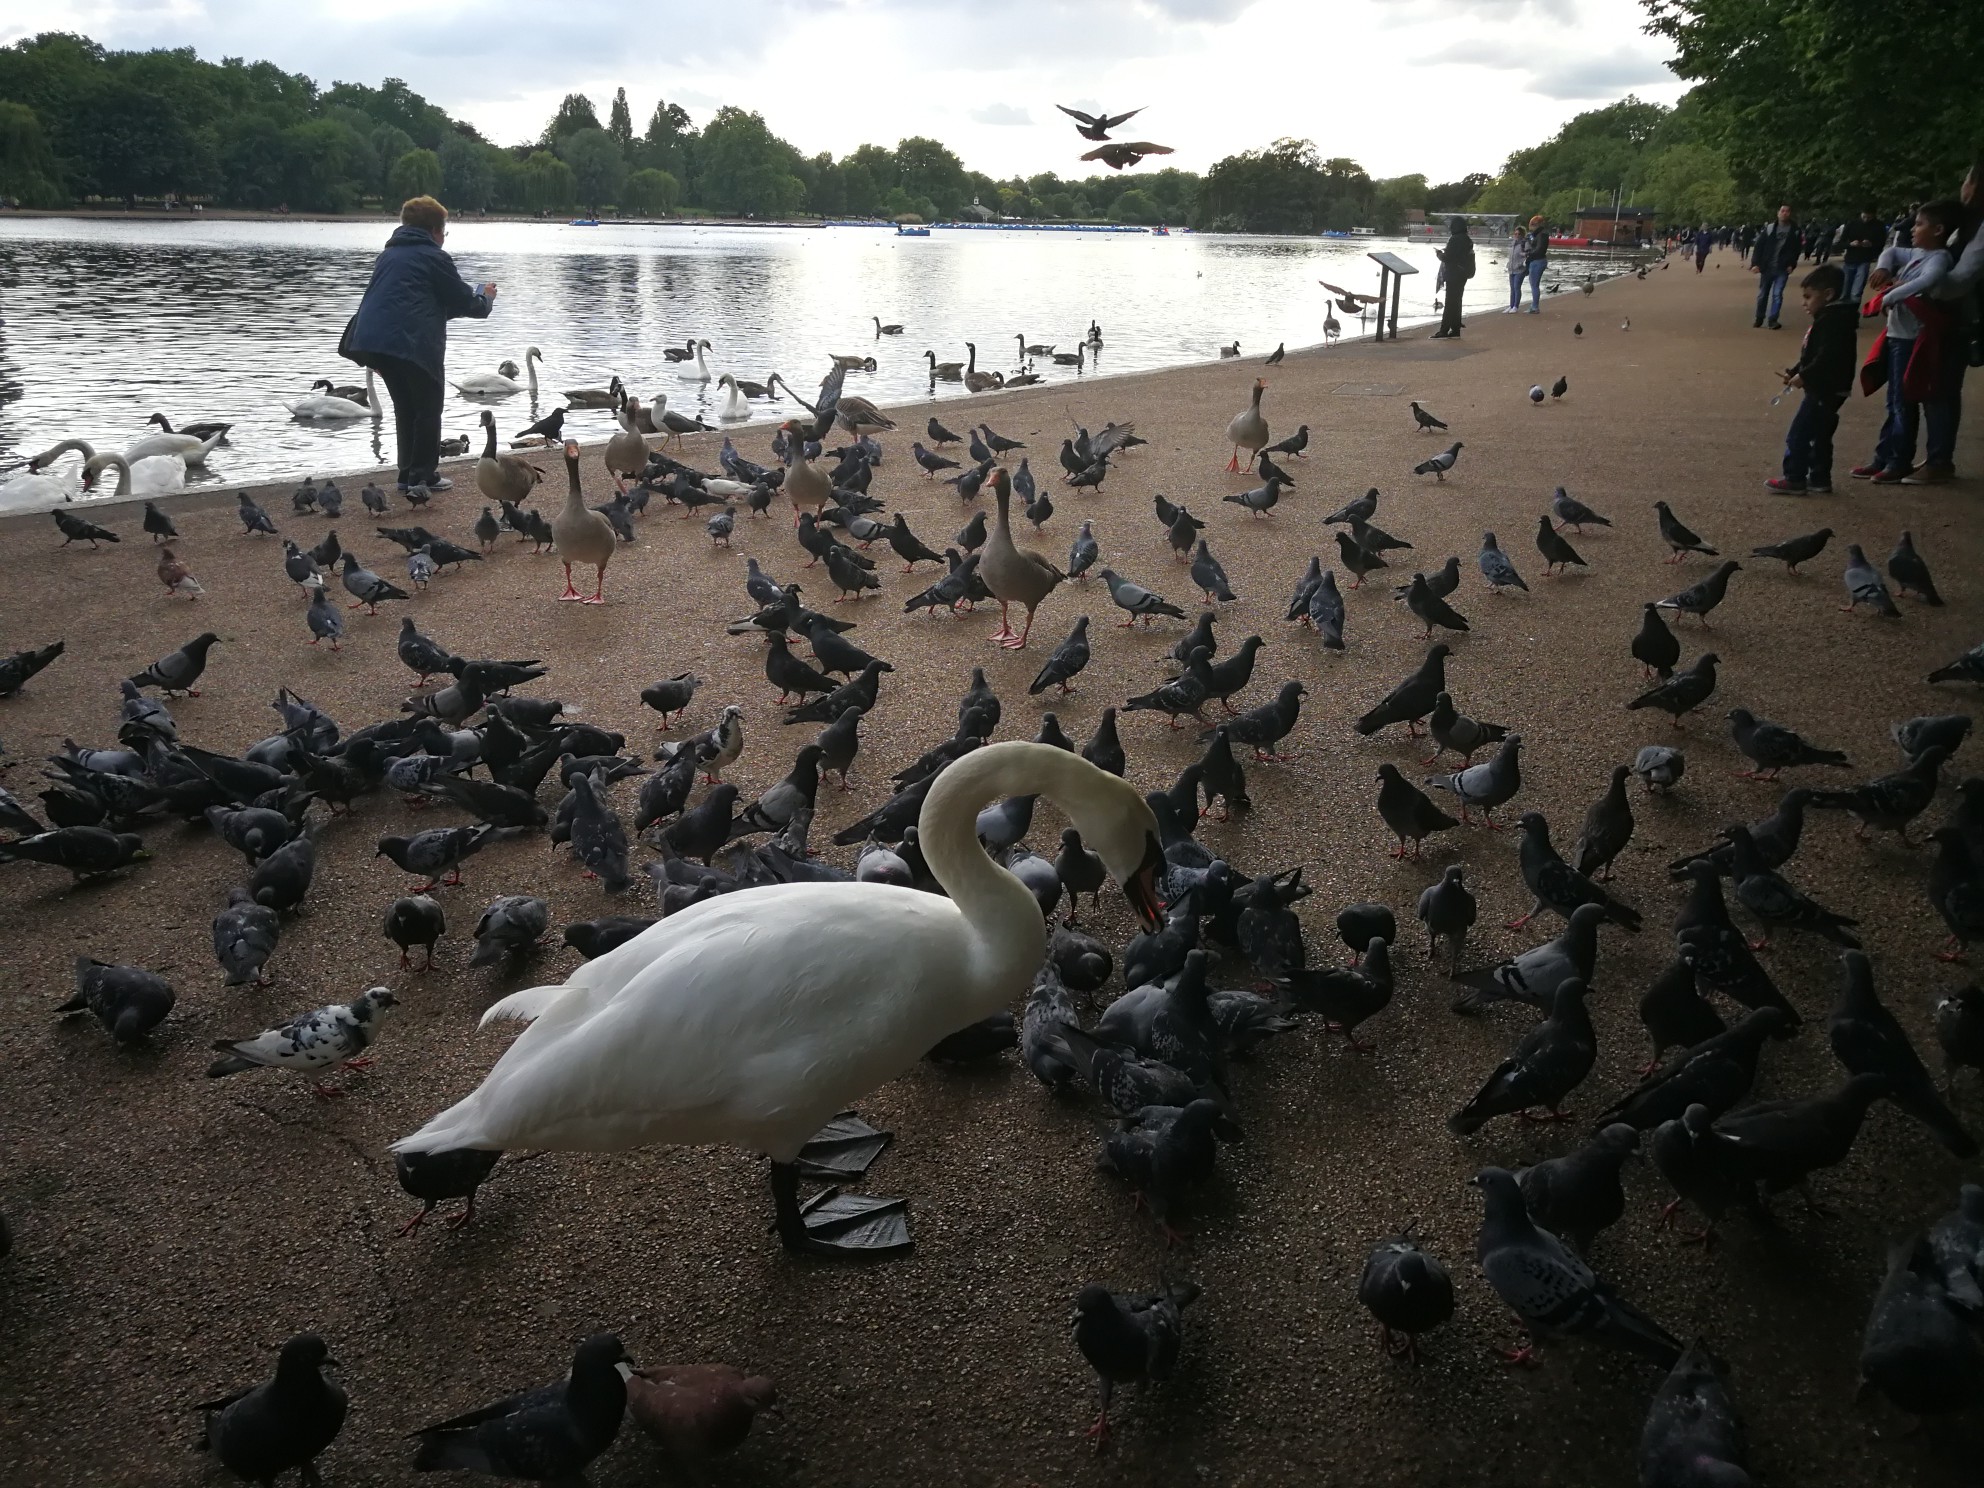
(1394, 84)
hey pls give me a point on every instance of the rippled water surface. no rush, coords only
(106, 322)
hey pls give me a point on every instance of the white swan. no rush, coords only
(154, 475)
(496, 385)
(323, 408)
(752, 1018)
(187, 449)
(38, 487)
(735, 405)
(699, 370)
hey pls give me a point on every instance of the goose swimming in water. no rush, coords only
(944, 371)
(752, 1018)
(499, 384)
(977, 381)
(680, 353)
(885, 330)
(200, 430)
(595, 397)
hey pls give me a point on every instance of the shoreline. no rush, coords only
(271, 1211)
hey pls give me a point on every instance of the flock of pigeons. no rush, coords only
(1157, 1057)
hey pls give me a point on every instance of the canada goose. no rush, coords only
(885, 330)
(1230, 351)
(595, 397)
(200, 431)
(680, 353)
(977, 381)
(944, 371)
(502, 477)
(1027, 351)
(853, 363)
(350, 392)
(1077, 358)
(755, 389)
(860, 417)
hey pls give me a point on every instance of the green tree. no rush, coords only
(28, 169)
(745, 168)
(620, 125)
(1453, 196)
(1135, 205)
(129, 142)
(665, 146)
(1284, 188)
(546, 184)
(1690, 183)
(575, 112)
(924, 168)
(317, 158)
(598, 169)
(468, 173)
(254, 161)
(389, 142)
(1511, 191)
(652, 193)
(416, 173)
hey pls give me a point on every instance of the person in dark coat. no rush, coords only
(1538, 256)
(1457, 261)
(1864, 241)
(401, 331)
(1778, 248)
(1827, 364)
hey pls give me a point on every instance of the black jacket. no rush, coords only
(1829, 359)
(1539, 245)
(1459, 258)
(1864, 241)
(1778, 248)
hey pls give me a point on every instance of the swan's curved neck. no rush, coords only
(101, 463)
(1008, 932)
(68, 446)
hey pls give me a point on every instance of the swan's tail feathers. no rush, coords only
(453, 1129)
(523, 1007)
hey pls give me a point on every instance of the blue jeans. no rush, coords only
(1941, 416)
(1516, 277)
(1896, 449)
(1808, 442)
(1770, 287)
(1856, 282)
(1536, 267)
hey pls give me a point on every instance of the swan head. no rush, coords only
(532, 354)
(1115, 821)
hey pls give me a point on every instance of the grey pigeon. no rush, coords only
(1918, 1350)
(1210, 576)
(1771, 747)
(1549, 1061)
(599, 841)
(434, 851)
(1910, 573)
(1716, 1073)
(1700, 1164)
(1496, 568)
(1699, 599)
(1406, 1290)
(365, 587)
(1577, 1195)
(1535, 975)
(1683, 692)
(300, 566)
(245, 935)
(265, 1430)
(1357, 559)
(1796, 550)
(177, 671)
(1868, 1039)
(1608, 827)
(1452, 729)
(1709, 941)
(1065, 663)
(434, 1176)
(128, 1001)
(1408, 812)
(337, 1034)
(511, 925)
(1083, 552)
(1447, 909)
(325, 619)
(1693, 1437)
(1570, 512)
(1774, 902)
(1413, 698)
(546, 1434)
(1164, 1152)
(1136, 601)
(1550, 1289)
(1486, 786)
(1558, 554)
(1357, 509)
(1325, 611)
(1129, 1338)
(1655, 647)
(1438, 465)
(415, 920)
(1890, 802)
(282, 878)
(1678, 536)
(1945, 731)
(1864, 587)
(1425, 421)
(1431, 609)
(1659, 767)
(253, 518)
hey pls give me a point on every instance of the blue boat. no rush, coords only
(583, 222)
(911, 232)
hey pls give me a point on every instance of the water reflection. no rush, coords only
(110, 321)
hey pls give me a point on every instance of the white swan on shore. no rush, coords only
(752, 1018)
(154, 475)
(735, 405)
(496, 385)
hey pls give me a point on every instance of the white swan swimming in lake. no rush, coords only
(699, 370)
(496, 385)
(190, 450)
(735, 405)
(752, 1018)
(326, 408)
(154, 475)
(39, 486)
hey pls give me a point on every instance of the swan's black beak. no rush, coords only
(1141, 890)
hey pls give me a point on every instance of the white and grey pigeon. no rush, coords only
(1438, 465)
(1536, 393)
(314, 1041)
(1489, 784)
(1536, 974)
(300, 567)
(245, 936)
(1496, 568)
(1659, 766)
(1552, 1291)
(509, 926)
(420, 567)
(1135, 600)
(1864, 585)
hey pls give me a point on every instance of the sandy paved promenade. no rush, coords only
(170, 1230)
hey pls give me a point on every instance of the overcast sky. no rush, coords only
(1439, 86)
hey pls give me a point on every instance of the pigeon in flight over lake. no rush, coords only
(1096, 126)
(1118, 156)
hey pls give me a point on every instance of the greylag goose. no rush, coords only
(582, 535)
(1013, 575)
(1248, 429)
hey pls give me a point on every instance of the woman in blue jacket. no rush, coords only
(401, 332)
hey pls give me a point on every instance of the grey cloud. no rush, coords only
(1001, 113)
(1557, 74)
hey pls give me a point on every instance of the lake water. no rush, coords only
(108, 321)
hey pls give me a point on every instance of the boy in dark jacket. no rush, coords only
(401, 331)
(1825, 370)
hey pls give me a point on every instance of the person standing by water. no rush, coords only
(401, 331)
(1538, 253)
(1518, 267)
(1862, 246)
(1457, 265)
(1777, 251)
(1704, 242)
